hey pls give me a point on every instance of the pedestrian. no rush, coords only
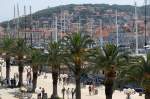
(43, 92)
(93, 89)
(11, 83)
(38, 91)
(68, 92)
(40, 70)
(28, 76)
(72, 92)
(63, 92)
(90, 89)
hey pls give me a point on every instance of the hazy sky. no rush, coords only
(7, 6)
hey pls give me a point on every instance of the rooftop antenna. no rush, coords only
(117, 27)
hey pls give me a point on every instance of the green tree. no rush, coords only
(7, 45)
(110, 59)
(36, 57)
(75, 55)
(54, 60)
(139, 73)
(20, 51)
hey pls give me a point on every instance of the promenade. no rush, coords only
(8, 93)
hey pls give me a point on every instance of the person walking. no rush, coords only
(72, 92)
(63, 92)
(93, 89)
(28, 76)
(38, 90)
(68, 92)
(90, 89)
(43, 93)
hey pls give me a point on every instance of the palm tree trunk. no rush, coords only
(78, 87)
(147, 95)
(108, 88)
(8, 68)
(77, 77)
(34, 81)
(55, 80)
(20, 83)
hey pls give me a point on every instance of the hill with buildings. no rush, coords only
(97, 20)
(84, 15)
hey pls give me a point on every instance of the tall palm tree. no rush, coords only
(109, 60)
(20, 51)
(76, 52)
(36, 56)
(139, 73)
(54, 60)
(7, 46)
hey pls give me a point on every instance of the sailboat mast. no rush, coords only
(15, 28)
(61, 20)
(56, 30)
(31, 26)
(145, 21)
(18, 20)
(117, 28)
(136, 28)
(25, 36)
(101, 33)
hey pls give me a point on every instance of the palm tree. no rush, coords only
(76, 52)
(54, 60)
(7, 46)
(139, 73)
(20, 51)
(109, 60)
(36, 61)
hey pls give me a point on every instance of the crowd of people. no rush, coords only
(41, 93)
(69, 92)
(12, 82)
(92, 90)
(64, 80)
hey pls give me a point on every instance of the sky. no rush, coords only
(7, 6)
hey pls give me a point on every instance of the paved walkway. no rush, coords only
(47, 85)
